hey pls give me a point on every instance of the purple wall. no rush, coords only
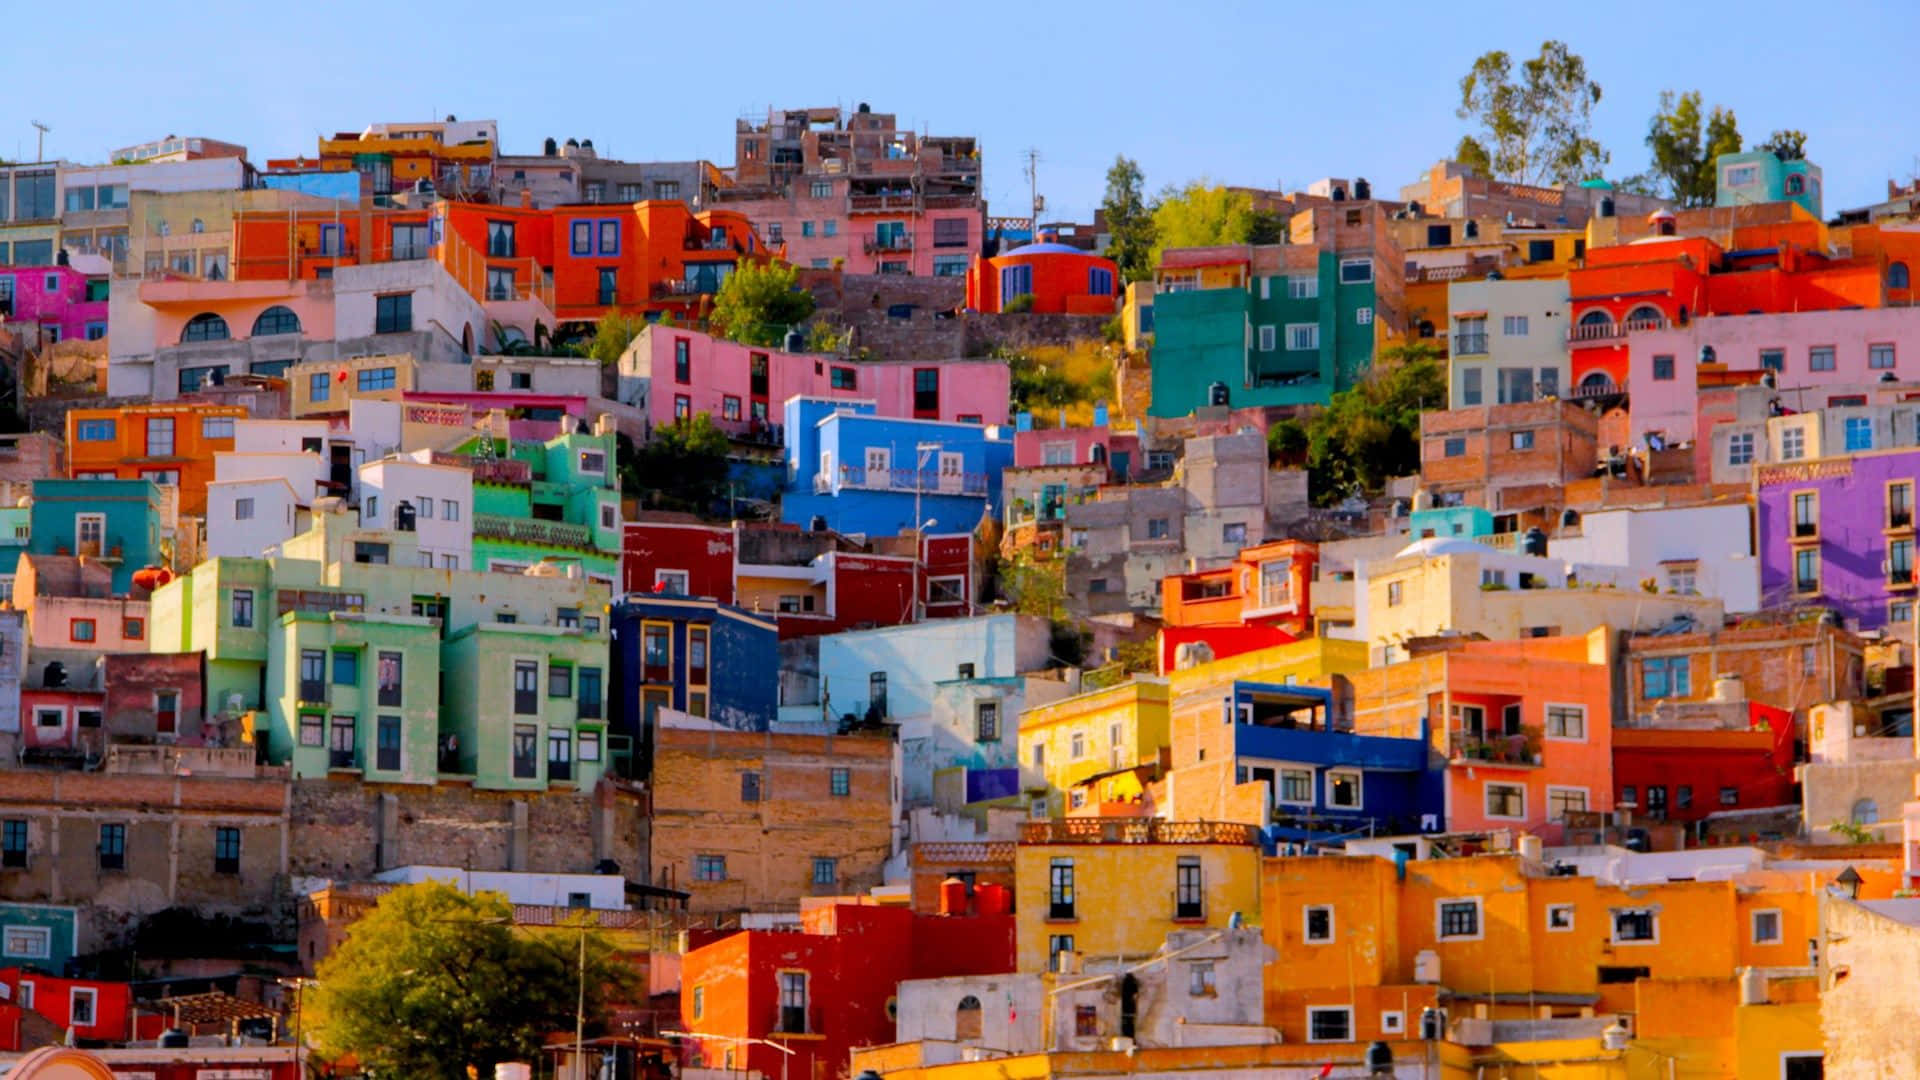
(1852, 538)
(65, 306)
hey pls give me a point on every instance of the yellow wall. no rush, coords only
(341, 391)
(763, 594)
(1139, 294)
(1138, 707)
(1124, 895)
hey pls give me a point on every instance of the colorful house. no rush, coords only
(553, 499)
(170, 444)
(64, 303)
(1509, 342)
(1698, 761)
(860, 473)
(1059, 279)
(700, 657)
(115, 521)
(1839, 532)
(1090, 734)
(1762, 176)
(1264, 598)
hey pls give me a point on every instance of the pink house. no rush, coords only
(1806, 349)
(1119, 450)
(63, 302)
(669, 372)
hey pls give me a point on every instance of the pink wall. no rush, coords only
(1669, 406)
(66, 306)
(719, 370)
(175, 303)
(852, 231)
(1027, 445)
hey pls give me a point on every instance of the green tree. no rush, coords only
(1683, 154)
(1370, 432)
(1288, 442)
(684, 466)
(432, 981)
(760, 302)
(1034, 586)
(1787, 145)
(1129, 219)
(1474, 156)
(1201, 214)
(612, 334)
(1536, 129)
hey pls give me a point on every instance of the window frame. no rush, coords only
(1486, 800)
(1779, 926)
(1307, 936)
(1440, 907)
(1345, 1036)
(1614, 916)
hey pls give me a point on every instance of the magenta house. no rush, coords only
(1838, 533)
(63, 302)
(1099, 444)
(669, 372)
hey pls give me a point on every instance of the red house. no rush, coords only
(1061, 280)
(1683, 773)
(683, 558)
(96, 1011)
(1262, 599)
(826, 990)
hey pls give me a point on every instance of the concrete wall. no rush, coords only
(1869, 975)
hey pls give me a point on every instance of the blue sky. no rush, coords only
(1269, 94)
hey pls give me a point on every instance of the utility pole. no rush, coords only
(40, 141)
(1033, 192)
(580, 1013)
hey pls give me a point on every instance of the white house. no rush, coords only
(247, 515)
(409, 493)
(1706, 550)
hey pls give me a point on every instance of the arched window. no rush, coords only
(1596, 317)
(278, 319)
(966, 1019)
(466, 339)
(1596, 382)
(205, 326)
(1897, 276)
(1796, 185)
(1645, 314)
(1865, 812)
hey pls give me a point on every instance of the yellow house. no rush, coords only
(1118, 886)
(323, 387)
(1101, 731)
(1136, 315)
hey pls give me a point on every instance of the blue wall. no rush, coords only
(916, 657)
(742, 665)
(344, 186)
(61, 924)
(815, 428)
(1472, 520)
(1401, 781)
(132, 509)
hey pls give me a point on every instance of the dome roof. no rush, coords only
(1662, 214)
(1045, 248)
(1443, 545)
(1598, 183)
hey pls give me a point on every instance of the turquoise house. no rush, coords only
(116, 521)
(44, 937)
(1759, 176)
(557, 499)
(1247, 337)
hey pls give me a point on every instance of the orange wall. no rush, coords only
(273, 245)
(126, 455)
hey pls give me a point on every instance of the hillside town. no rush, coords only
(471, 606)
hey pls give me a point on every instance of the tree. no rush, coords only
(432, 981)
(684, 465)
(760, 302)
(1034, 586)
(1129, 220)
(1536, 129)
(1288, 443)
(612, 334)
(1787, 145)
(1201, 214)
(1371, 432)
(1474, 156)
(1683, 157)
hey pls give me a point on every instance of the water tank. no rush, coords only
(173, 1039)
(993, 899)
(1379, 1059)
(1707, 354)
(512, 1070)
(1534, 542)
(403, 516)
(1753, 986)
(1729, 687)
(1426, 967)
(1473, 229)
(1217, 394)
(1606, 206)
(953, 897)
(1532, 847)
(1362, 189)
(56, 675)
(1614, 1037)
(550, 148)
(796, 341)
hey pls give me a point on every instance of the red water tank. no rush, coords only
(953, 897)
(152, 577)
(994, 899)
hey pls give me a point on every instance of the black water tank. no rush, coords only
(551, 148)
(1473, 229)
(403, 515)
(1534, 542)
(819, 523)
(1217, 394)
(1707, 354)
(796, 341)
(1362, 189)
(56, 675)
(174, 1038)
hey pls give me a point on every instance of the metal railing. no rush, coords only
(924, 481)
(1137, 831)
(532, 531)
(1469, 344)
(877, 246)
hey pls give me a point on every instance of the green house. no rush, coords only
(539, 500)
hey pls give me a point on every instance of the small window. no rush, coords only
(1766, 927)
(1330, 1024)
(826, 871)
(709, 868)
(1317, 920)
(1355, 271)
(1454, 448)
(1458, 920)
(1635, 926)
(1522, 440)
(749, 787)
(1559, 918)
(1663, 369)
(1508, 801)
(226, 850)
(840, 782)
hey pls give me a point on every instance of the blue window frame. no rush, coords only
(376, 378)
(1100, 281)
(96, 331)
(1014, 281)
(94, 431)
(346, 667)
(1859, 433)
(610, 236)
(582, 237)
(318, 388)
(330, 236)
(1666, 676)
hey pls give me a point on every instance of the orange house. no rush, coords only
(301, 245)
(1262, 599)
(171, 443)
(1526, 726)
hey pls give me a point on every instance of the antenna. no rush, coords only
(40, 141)
(1033, 190)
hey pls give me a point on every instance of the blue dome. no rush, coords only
(1046, 249)
(1597, 183)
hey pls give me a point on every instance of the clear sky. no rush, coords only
(1270, 94)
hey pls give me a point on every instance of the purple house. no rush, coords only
(63, 302)
(1838, 532)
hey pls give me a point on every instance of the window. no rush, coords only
(1099, 280)
(1729, 796)
(709, 868)
(1303, 337)
(1740, 448)
(1566, 722)
(1508, 801)
(81, 630)
(1635, 925)
(226, 850)
(160, 436)
(1820, 358)
(826, 871)
(277, 319)
(241, 604)
(840, 782)
(1343, 789)
(1562, 799)
(926, 391)
(1806, 570)
(1666, 676)
(1766, 926)
(500, 240)
(581, 234)
(1330, 1024)
(1267, 338)
(1363, 316)
(393, 313)
(1773, 359)
(986, 721)
(1880, 357)
(343, 739)
(1396, 592)
(1900, 611)
(1200, 979)
(113, 847)
(387, 743)
(13, 848)
(1303, 287)
(313, 729)
(1559, 918)
(1470, 391)
(1859, 433)
(526, 682)
(319, 386)
(27, 943)
(1296, 786)
(1513, 326)
(93, 431)
(81, 1007)
(1189, 889)
(1317, 924)
(526, 752)
(793, 1002)
(1354, 271)
(376, 378)
(1458, 920)
(204, 327)
(346, 667)
(1454, 448)
(1522, 440)
(749, 787)
(1060, 889)
(370, 552)
(1900, 563)
(559, 754)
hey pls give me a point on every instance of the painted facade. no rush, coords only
(700, 657)
(172, 444)
(1059, 278)
(1761, 176)
(1508, 342)
(1087, 735)
(1839, 532)
(64, 303)
(870, 475)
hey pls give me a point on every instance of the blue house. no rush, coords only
(856, 472)
(700, 657)
(1761, 176)
(44, 937)
(1324, 784)
(115, 521)
(895, 673)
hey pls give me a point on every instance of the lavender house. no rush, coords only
(1838, 532)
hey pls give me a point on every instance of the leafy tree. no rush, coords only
(684, 466)
(1129, 220)
(1266, 227)
(1536, 128)
(1371, 432)
(1474, 156)
(612, 334)
(1034, 586)
(1288, 442)
(1683, 156)
(822, 337)
(1787, 145)
(432, 981)
(759, 302)
(1201, 214)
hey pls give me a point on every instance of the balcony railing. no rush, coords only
(532, 531)
(508, 471)
(877, 203)
(677, 290)
(1469, 344)
(1137, 831)
(880, 246)
(1494, 748)
(924, 481)
(410, 252)
(1609, 331)
(340, 759)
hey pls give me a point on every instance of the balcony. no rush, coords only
(532, 531)
(875, 204)
(313, 690)
(1137, 831)
(410, 252)
(888, 245)
(1520, 750)
(1602, 333)
(508, 471)
(923, 481)
(1469, 344)
(682, 290)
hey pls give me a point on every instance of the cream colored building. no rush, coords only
(1507, 342)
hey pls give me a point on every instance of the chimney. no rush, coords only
(526, 199)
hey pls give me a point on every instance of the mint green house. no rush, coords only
(1760, 176)
(542, 500)
(352, 658)
(1249, 326)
